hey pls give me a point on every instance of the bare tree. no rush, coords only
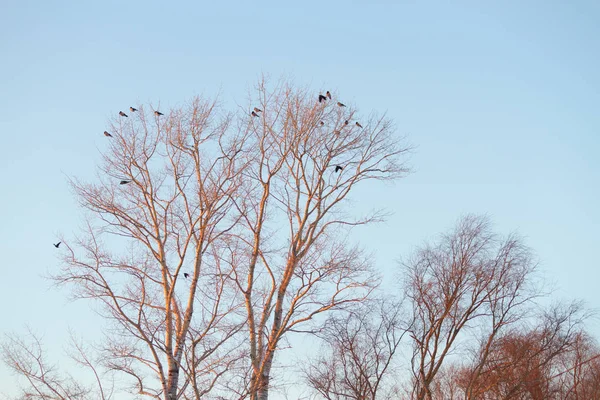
(289, 258)
(525, 363)
(26, 357)
(163, 203)
(358, 353)
(471, 277)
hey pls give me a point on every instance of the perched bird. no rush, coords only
(328, 95)
(132, 109)
(358, 124)
(124, 182)
(322, 123)
(322, 98)
(254, 114)
(158, 113)
(341, 104)
(257, 109)
(57, 244)
(338, 168)
(346, 122)
(107, 134)
(186, 275)
(122, 114)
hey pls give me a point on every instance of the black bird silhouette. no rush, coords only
(107, 134)
(341, 104)
(158, 113)
(338, 168)
(358, 124)
(132, 109)
(328, 95)
(124, 182)
(186, 275)
(346, 122)
(322, 98)
(257, 109)
(254, 114)
(57, 244)
(122, 114)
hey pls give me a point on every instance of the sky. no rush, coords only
(500, 99)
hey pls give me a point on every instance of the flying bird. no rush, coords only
(257, 109)
(341, 104)
(107, 134)
(158, 113)
(132, 109)
(338, 168)
(186, 275)
(328, 95)
(124, 182)
(322, 98)
(358, 124)
(254, 114)
(122, 114)
(57, 244)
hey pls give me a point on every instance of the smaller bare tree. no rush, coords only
(469, 277)
(27, 358)
(359, 351)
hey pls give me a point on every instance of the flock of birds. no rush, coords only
(321, 99)
(254, 113)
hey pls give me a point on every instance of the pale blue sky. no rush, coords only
(502, 100)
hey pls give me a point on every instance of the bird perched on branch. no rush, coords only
(346, 122)
(132, 109)
(254, 114)
(328, 95)
(122, 114)
(341, 104)
(338, 168)
(257, 109)
(358, 124)
(186, 275)
(322, 123)
(124, 182)
(322, 98)
(107, 134)
(56, 244)
(158, 113)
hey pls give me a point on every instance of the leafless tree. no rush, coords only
(203, 225)
(470, 278)
(288, 254)
(524, 363)
(26, 357)
(358, 353)
(162, 203)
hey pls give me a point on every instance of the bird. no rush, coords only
(254, 114)
(341, 104)
(124, 182)
(122, 114)
(257, 109)
(186, 275)
(328, 95)
(346, 122)
(158, 113)
(56, 244)
(358, 124)
(107, 134)
(132, 109)
(322, 123)
(338, 168)
(322, 98)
